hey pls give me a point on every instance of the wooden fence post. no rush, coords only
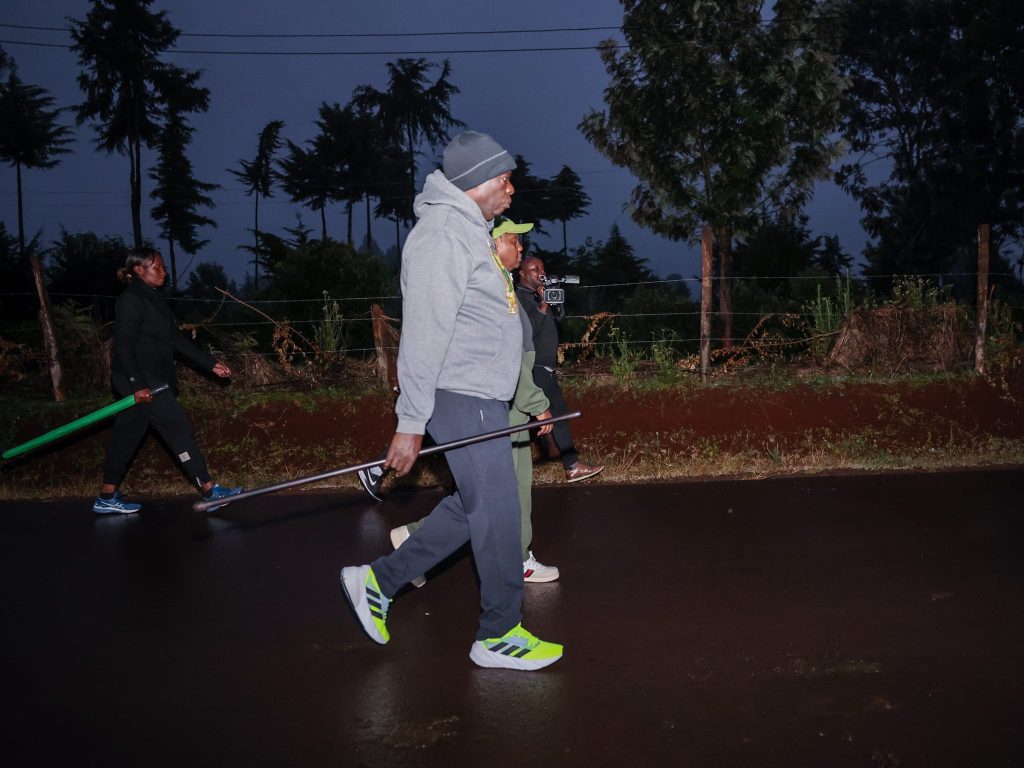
(50, 345)
(705, 302)
(385, 343)
(979, 339)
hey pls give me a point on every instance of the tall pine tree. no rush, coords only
(126, 84)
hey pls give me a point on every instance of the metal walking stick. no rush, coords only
(90, 418)
(202, 506)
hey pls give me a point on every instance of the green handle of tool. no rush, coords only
(74, 426)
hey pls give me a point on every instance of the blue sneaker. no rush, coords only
(219, 492)
(114, 506)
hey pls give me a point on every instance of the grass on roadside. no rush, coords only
(244, 447)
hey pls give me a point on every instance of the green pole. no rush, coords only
(77, 424)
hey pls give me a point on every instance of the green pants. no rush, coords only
(522, 458)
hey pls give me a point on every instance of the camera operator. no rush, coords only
(544, 318)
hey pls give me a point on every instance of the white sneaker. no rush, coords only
(398, 537)
(536, 572)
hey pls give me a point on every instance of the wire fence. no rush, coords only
(362, 318)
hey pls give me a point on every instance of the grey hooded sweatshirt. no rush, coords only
(457, 332)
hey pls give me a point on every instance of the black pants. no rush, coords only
(548, 382)
(166, 416)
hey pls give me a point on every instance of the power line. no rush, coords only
(331, 35)
(444, 52)
(442, 33)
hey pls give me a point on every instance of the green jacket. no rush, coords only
(529, 400)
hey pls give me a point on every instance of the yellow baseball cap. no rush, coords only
(503, 225)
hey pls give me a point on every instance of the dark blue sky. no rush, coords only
(530, 101)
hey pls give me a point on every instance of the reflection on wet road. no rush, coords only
(857, 620)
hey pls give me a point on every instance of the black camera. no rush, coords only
(553, 294)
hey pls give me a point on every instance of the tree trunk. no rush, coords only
(565, 242)
(412, 158)
(135, 151)
(369, 230)
(725, 284)
(323, 223)
(50, 347)
(174, 266)
(984, 234)
(256, 247)
(705, 302)
(21, 216)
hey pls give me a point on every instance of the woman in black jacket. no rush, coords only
(146, 339)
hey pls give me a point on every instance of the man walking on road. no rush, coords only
(544, 319)
(458, 363)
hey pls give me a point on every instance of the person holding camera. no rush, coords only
(544, 318)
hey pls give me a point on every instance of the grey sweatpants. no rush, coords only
(484, 510)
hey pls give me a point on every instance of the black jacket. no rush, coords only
(545, 328)
(146, 338)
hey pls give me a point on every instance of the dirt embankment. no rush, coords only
(652, 433)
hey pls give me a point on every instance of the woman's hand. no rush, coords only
(546, 429)
(222, 370)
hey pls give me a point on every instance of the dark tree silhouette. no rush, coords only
(567, 200)
(258, 177)
(935, 97)
(720, 113)
(418, 109)
(178, 192)
(31, 137)
(127, 86)
(356, 141)
(830, 257)
(205, 279)
(16, 279)
(309, 176)
(530, 202)
(393, 189)
(84, 266)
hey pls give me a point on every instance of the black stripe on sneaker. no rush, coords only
(373, 599)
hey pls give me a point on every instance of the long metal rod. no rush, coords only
(73, 426)
(202, 506)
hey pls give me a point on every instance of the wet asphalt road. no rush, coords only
(832, 621)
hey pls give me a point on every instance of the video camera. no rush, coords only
(554, 294)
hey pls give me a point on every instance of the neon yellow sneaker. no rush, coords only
(516, 649)
(370, 604)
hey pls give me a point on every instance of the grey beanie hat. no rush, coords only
(471, 158)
